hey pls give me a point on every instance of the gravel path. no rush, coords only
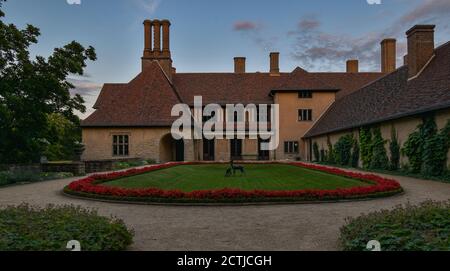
(278, 227)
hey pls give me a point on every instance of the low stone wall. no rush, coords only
(35, 168)
(98, 166)
(77, 168)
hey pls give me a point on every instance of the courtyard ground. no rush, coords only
(272, 227)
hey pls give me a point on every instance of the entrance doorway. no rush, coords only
(208, 150)
(263, 155)
(236, 149)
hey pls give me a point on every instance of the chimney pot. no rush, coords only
(239, 64)
(388, 55)
(274, 64)
(147, 38)
(157, 34)
(352, 66)
(420, 47)
(166, 37)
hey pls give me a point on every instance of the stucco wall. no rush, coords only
(144, 143)
(403, 127)
(293, 130)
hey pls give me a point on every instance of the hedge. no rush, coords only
(27, 228)
(406, 228)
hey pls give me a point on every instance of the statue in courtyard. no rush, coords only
(231, 171)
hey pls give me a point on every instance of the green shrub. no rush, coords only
(411, 228)
(130, 164)
(26, 228)
(316, 152)
(379, 158)
(394, 148)
(343, 150)
(8, 177)
(4, 178)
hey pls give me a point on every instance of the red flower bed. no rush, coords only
(92, 186)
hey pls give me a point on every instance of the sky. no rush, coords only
(206, 35)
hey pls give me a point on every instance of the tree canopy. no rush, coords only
(31, 90)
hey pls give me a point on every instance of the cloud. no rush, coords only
(374, 2)
(89, 91)
(73, 2)
(309, 24)
(85, 88)
(149, 6)
(254, 31)
(245, 26)
(319, 50)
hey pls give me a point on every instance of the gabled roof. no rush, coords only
(148, 99)
(391, 97)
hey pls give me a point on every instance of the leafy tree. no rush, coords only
(316, 152)
(63, 136)
(33, 89)
(394, 148)
(379, 157)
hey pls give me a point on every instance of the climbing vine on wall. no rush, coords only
(379, 159)
(394, 148)
(330, 155)
(343, 150)
(316, 152)
(355, 154)
(427, 148)
(365, 144)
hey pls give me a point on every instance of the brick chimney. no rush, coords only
(388, 55)
(147, 38)
(239, 64)
(420, 47)
(274, 64)
(352, 66)
(157, 53)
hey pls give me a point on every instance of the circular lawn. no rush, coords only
(206, 183)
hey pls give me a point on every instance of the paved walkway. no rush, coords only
(279, 227)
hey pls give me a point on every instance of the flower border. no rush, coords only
(91, 187)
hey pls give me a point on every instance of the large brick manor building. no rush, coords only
(133, 120)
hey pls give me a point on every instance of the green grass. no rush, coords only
(258, 177)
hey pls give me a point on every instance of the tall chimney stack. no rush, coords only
(166, 37)
(147, 38)
(239, 65)
(157, 34)
(352, 66)
(274, 64)
(420, 47)
(388, 55)
(155, 53)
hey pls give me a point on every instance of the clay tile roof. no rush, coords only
(146, 101)
(391, 97)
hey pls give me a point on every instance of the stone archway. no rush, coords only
(171, 150)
